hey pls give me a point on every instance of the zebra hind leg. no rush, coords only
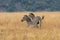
(39, 25)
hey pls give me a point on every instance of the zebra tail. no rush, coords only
(42, 17)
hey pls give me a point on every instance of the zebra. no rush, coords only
(36, 20)
(28, 20)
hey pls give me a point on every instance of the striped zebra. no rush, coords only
(32, 21)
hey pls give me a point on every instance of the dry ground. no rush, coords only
(11, 27)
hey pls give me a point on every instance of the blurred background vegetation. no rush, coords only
(29, 5)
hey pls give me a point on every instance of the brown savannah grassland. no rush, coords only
(11, 27)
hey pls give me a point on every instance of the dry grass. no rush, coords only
(11, 27)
